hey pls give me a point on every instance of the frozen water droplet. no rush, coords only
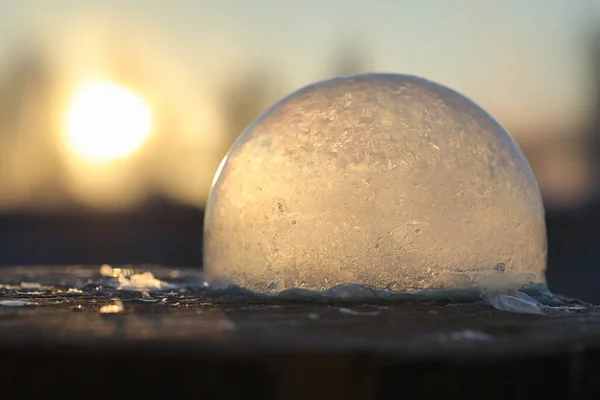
(350, 311)
(17, 303)
(115, 308)
(520, 303)
(378, 180)
(466, 335)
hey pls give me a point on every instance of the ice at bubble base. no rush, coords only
(390, 181)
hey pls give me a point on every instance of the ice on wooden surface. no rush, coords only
(128, 279)
(115, 308)
(520, 303)
(389, 181)
(17, 303)
(80, 288)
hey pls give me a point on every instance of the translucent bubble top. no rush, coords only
(390, 181)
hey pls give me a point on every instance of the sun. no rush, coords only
(105, 121)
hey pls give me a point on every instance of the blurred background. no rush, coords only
(114, 115)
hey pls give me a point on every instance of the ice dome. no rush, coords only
(385, 180)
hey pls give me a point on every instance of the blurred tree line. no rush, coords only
(31, 166)
(32, 170)
(593, 133)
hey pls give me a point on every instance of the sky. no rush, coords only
(526, 62)
(519, 59)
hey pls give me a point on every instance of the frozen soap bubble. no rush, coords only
(390, 181)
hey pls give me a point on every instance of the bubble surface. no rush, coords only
(389, 181)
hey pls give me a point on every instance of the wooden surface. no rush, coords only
(184, 341)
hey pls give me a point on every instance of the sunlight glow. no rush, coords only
(105, 121)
